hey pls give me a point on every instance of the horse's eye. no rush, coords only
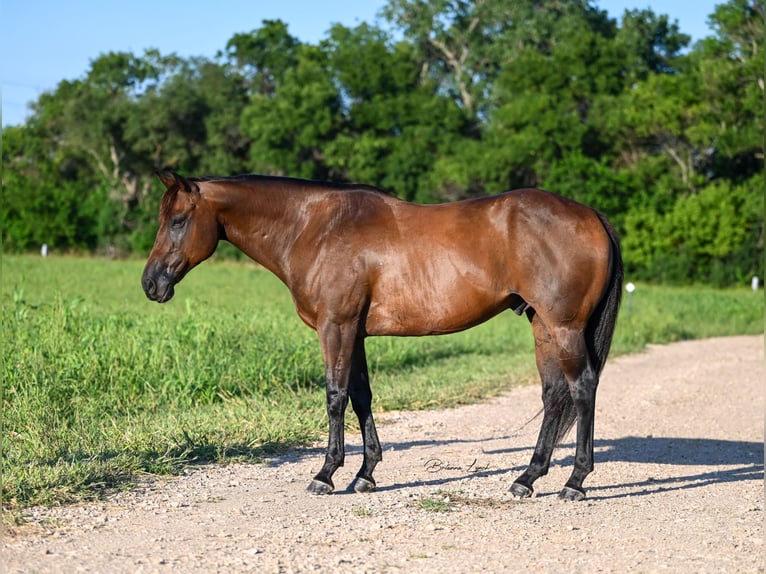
(177, 222)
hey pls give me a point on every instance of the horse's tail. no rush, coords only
(600, 329)
(598, 332)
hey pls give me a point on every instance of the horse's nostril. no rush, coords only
(150, 287)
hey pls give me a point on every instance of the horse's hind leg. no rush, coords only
(555, 401)
(583, 380)
(361, 401)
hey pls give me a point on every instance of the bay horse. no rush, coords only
(360, 262)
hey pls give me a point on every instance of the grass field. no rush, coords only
(100, 385)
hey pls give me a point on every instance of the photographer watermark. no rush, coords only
(434, 465)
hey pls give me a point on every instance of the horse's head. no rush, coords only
(188, 235)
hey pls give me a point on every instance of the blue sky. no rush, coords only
(46, 41)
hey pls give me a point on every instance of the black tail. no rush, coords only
(598, 333)
(600, 330)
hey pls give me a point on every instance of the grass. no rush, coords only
(431, 505)
(440, 502)
(99, 385)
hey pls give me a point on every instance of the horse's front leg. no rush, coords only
(361, 401)
(337, 347)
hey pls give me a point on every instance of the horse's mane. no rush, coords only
(310, 183)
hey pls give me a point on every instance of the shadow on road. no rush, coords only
(744, 461)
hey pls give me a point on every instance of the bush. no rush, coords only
(713, 236)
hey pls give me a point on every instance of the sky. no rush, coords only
(46, 41)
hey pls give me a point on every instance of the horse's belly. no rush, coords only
(405, 314)
(429, 290)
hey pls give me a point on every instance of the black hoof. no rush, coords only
(520, 491)
(572, 494)
(319, 487)
(362, 485)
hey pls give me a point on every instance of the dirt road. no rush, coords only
(678, 487)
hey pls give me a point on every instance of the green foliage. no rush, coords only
(100, 385)
(289, 129)
(453, 99)
(264, 56)
(705, 236)
(42, 201)
(593, 183)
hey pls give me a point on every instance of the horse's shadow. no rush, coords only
(743, 459)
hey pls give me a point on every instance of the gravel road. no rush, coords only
(678, 487)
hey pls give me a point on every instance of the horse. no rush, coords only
(360, 262)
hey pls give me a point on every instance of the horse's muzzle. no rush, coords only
(158, 285)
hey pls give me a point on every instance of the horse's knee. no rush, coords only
(337, 399)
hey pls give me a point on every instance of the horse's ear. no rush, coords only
(171, 179)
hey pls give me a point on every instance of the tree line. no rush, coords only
(446, 99)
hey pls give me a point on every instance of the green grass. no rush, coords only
(101, 385)
(435, 504)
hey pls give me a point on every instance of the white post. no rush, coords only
(630, 287)
(754, 283)
(44, 250)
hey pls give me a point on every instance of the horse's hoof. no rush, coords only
(319, 487)
(572, 494)
(362, 485)
(520, 491)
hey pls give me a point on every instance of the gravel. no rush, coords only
(678, 487)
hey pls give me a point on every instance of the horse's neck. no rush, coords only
(260, 221)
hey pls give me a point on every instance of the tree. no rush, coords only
(395, 122)
(732, 84)
(42, 201)
(710, 236)
(650, 44)
(558, 62)
(290, 128)
(224, 93)
(448, 34)
(263, 56)
(90, 116)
